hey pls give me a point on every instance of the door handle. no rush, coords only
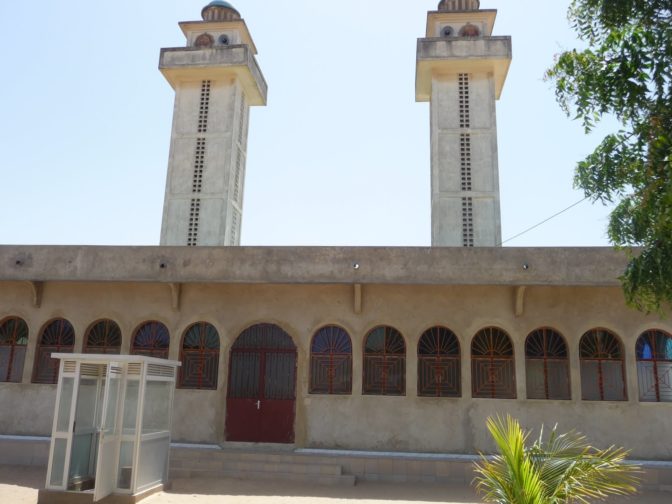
(258, 405)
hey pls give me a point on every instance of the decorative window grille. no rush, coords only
(151, 339)
(384, 362)
(493, 373)
(199, 166)
(331, 362)
(547, 366)
(467, 222)
(200, 357)
(57, 336)
(602, 367)
(439, 366)
(654, 366)
(194, 222)
(103, 337)
(465, 162)
(204, 110)
(13, 342)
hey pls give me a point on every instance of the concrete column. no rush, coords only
(461, 71)
(216, 79)
(465, 175)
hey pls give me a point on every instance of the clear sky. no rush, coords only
(339, 157)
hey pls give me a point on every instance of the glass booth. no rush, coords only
(112, 423)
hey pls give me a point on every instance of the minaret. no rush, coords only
(461, 69)
(216, 80)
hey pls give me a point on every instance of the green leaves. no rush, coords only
(560, 469)
(626, 72)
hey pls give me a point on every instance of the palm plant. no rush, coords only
(560, 469)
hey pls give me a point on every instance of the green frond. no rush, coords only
(563, 468)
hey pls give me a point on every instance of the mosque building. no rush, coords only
(355, 350)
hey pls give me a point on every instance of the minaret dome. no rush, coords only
(459, 5)
(219, 10)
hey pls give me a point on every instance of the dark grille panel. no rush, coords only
(152, 339)
(13, 341)
(245, 375)
(602, 367)
(384, 375)
(200, 357)
(654, 366)
(384, 362)
(493, 373)
(439, 364)
(103, 338)
(331, 362)
(279, 377)
(264, 336)
(547, 366)
(439, 377)
(57, 337)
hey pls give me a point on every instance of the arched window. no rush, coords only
(439, 364)
(103, 337)
(200, 357)
(384, 362)
(151, 339)
(602, 367)
(331, 362)
(654, 366)
(547, 366)
(58, 336)
(13, 341)
(493, 370)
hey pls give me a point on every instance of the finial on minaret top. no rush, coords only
(219, 10)
(459, 5)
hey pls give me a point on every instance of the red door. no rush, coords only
(261, 401)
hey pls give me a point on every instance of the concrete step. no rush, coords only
(316, 479)
(214, 464)
(238, 464)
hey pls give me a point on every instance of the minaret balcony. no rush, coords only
(189, 64)
(446, 56)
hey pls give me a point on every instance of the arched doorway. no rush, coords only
(261, 399)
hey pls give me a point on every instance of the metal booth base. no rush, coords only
(54, 497)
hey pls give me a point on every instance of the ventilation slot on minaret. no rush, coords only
(465, 160)
(194, 217)
(235, 223)
(465, 138)
(199, 166)
(237, 178)
(465, 120)
(467, 222)
(242, 120)
(204, 110)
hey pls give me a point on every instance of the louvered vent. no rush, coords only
(158, 370)
(69, 367)
(134, 369)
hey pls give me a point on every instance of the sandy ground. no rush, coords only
(20, 485)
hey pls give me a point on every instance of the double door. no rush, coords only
(261, 401)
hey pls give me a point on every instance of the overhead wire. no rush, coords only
(544, 221)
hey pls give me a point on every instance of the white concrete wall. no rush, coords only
(357, 421)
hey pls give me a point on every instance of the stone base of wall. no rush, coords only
(24, 451)
(202, 461)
